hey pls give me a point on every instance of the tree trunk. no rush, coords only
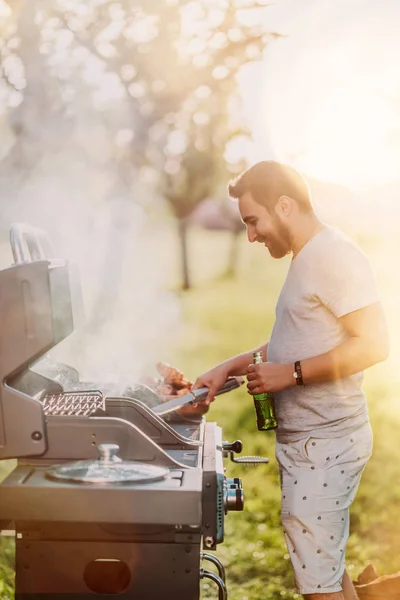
(233, 254)
(182, 232)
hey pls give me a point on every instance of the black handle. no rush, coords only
(235, 446)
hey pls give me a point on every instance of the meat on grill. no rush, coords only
(174, 384)
(173, 376)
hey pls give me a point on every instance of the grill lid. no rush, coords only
(108, 468)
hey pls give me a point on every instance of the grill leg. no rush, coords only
(222, 592)
(216, 562)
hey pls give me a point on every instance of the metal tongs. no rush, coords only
(196, 396)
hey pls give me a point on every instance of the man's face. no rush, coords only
(264, 228)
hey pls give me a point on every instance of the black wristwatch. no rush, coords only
(298, 375)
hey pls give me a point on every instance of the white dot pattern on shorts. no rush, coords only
(322, 515)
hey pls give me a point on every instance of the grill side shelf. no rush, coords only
(27, 494)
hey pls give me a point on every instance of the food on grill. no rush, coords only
(183, 392)
(174, 384)
(164, 389)
(173, 376)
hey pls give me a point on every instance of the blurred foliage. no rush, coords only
(171, 66)
(6, 548)
(177, 61)
(6, 568)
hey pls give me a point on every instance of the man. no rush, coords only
(329, 327)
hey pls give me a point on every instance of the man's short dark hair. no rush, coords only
(267, 181)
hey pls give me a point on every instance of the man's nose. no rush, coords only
(251, 235)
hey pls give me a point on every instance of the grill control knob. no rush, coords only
(236, 447)
(234, 495)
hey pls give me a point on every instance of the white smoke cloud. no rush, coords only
(102, 224)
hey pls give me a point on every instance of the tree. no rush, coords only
(178, 61)
(174, 63)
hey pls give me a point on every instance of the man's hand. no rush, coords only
(214, 380)
(269, 377)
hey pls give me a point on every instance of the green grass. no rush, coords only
(223, 317)
(6, 548)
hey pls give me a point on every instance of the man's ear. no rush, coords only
(284, 206)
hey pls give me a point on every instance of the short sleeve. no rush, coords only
(345, 280)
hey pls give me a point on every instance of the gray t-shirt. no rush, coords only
(329, 278)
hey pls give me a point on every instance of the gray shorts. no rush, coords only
(319, 480)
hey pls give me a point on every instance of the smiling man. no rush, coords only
(329, 327)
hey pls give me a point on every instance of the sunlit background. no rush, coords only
(121, 123)
(326, 99)
(330, 102)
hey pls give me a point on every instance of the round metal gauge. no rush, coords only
(108, 468)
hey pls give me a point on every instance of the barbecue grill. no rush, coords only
(111, 495)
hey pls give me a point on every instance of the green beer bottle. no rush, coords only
(263, 404)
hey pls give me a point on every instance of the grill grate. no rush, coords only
(77, 404)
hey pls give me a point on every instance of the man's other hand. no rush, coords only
(269, 377)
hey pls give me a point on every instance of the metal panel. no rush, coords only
(25, 313)
(213, 475)
(35, 314)
(154, 571)
(27, 495)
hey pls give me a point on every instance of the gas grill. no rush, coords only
(112, 495)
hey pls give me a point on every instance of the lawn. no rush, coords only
(222, 317)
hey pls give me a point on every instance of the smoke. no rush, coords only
(131, 319)
(109, 228)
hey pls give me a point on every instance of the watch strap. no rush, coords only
(298, 375)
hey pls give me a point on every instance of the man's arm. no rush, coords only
(238, 364)
(235, 366)
(367, 344)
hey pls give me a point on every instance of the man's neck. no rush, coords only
(308, 227)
